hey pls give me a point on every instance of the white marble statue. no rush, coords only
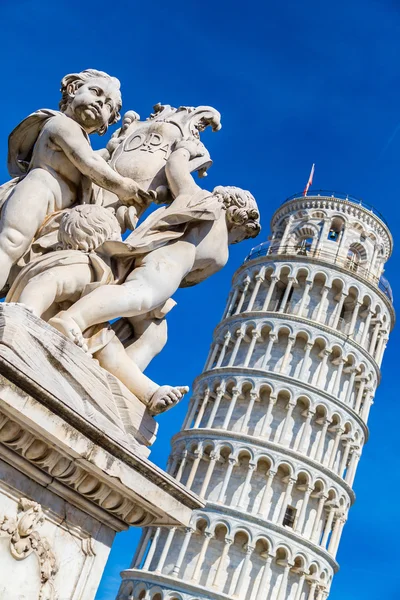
(176, 246)
(62, 216)
(54, 166)
(58, 279)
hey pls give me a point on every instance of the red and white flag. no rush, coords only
(310, 180)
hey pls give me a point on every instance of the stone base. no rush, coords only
(73, 466)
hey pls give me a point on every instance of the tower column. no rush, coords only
(182, 465)
(243, 571)
(350, 388)
(306, 429)
(324, 295)
(315, 529)
(243, 295)
(338, 377)
(289, 408)
(286, 295)
(308, 348)
(300, 587)
(200, 559)
(231, 302)
(182, 553)
(289, 346)
(222, 562)
(321, 373)
(217, 402)
(335, 447)
(203, 407)
(231, 408)
(303, 510)
(304, 297)
(232, 462)
(265, 502)
(245, 488)
(271, 289)
(239, 338)
(191, 414)
(263, 588)
(374, 337)
(266, 426)
(286, 499)
(165, 550)
(351, 473)
(250, 407)
(354, 318)
(227, 339)
(198, 454)
(210, 469)
(366, 327)
(321, 441)
(271, 340)
(338, 311)
(259, 279)
(328, 526)
(284, 582)
(360, 393)
(152, 550)
(254, 337)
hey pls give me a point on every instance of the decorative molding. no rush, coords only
(66, 471)
(25, 540)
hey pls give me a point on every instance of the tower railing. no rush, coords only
(271, 249)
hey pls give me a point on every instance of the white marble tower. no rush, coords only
(278, 418)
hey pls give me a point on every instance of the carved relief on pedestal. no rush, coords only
(25, 540)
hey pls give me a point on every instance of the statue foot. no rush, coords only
(166, 397)
(69, 328)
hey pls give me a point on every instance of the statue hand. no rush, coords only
(193, 146)
(131, 193)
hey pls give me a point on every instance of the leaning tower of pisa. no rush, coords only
(278, 418)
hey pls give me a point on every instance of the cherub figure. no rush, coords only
(54, 165)
(58, 279)
(176, 246)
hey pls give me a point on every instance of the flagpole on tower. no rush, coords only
(310, 180)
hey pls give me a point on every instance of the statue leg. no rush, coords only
(38, 297)
(21, 217)
(114, 359)
(149, 286)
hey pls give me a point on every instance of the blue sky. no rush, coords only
(296, 83)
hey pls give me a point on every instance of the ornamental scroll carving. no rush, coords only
(25, 540)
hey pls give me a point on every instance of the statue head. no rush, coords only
(92, 98)
(87, 226)
(242, 215)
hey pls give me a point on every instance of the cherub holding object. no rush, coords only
(54, 165)
(176, 246)
(57, 279)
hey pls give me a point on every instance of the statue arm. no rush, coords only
(178, 173)
(91, 164)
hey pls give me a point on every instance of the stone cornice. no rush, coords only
(220, 434)
(265, 375)
(61, 458)
(295, 319)
(318, 261)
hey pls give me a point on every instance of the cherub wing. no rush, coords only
(22, 139)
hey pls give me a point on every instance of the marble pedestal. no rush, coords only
(73, 465)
